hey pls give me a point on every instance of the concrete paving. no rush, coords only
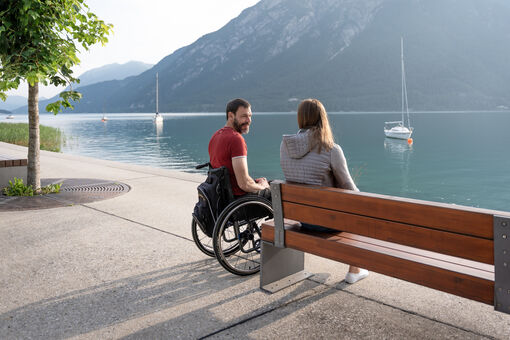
(127, 268)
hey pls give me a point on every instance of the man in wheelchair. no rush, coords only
(228, 148)
(232, 205)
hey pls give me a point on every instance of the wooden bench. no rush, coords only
(11, 167)
(459, 250)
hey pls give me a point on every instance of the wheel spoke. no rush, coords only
(244, 259)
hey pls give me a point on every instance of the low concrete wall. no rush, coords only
(7, 174)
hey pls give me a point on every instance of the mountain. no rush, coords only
(112, 72)
(13, 102)
(344, 52)
(94, 76)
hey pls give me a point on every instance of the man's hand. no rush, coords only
(245, 182)
(263, 181)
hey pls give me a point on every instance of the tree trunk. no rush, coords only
(33, 174)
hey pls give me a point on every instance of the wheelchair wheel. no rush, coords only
(237, 236)
(203, 242)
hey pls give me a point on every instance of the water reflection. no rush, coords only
(159, 129)
(400, 153)
(397, 148)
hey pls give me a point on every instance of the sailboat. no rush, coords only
(9, 117)
(157, 117)
(398, 129)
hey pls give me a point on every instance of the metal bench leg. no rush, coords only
(281, 267)
(502, 264)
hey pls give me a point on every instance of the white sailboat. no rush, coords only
(9, 117)
(157, 117)
(398, 129)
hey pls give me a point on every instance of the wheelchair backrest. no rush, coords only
(213, 196)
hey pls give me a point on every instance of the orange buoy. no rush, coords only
(409, 141)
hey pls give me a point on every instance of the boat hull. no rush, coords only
(398, 134)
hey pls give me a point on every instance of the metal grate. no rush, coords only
(73, 191)
(103, 187)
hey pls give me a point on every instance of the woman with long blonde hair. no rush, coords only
(312, 157)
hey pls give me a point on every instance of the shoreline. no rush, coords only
(262, 112)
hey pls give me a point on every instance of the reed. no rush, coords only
(52, 139)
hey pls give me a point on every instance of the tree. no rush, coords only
(39, 42)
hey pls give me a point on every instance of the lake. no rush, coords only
(457, 157)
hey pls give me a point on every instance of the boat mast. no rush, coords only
(157, 109)
(402, 73)
(404, 86)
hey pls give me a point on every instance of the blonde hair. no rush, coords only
(313, 116)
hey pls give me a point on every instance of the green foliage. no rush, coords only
(18, 188)
(52, 138)
(39, 43)
(51, 189)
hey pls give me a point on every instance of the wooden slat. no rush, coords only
(468, 247)
(336, 235)
(476, 285)
(479, 266)
(458, 219)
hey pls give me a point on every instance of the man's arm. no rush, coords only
(245, 182)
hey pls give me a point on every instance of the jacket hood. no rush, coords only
(297, 145)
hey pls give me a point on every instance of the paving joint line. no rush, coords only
(407, 311)
(136, 222)
(326, 287)
(240, 322)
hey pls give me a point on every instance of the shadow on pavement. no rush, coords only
(188, 300)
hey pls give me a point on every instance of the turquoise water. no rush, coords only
(457, 157)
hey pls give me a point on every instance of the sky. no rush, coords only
(149, 30)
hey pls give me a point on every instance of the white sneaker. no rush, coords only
(352, 278)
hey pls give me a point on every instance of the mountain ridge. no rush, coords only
(344, 52)
(105, 73)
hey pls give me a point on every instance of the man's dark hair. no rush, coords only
(234, 104)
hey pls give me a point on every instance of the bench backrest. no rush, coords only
(456, 249)
(443, 228)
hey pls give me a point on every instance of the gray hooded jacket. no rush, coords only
(302, 164)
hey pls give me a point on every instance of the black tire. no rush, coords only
(239, 251)
(203, 242)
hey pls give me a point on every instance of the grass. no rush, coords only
(52, 139)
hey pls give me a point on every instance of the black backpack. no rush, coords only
(213, 196)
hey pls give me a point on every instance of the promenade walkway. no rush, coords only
(127, 267)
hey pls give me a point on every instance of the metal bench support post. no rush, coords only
(502, 264)
(276, 198)
(281, 267)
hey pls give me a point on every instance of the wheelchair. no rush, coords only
(231, 231)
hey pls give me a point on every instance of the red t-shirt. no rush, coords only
(225, 144)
